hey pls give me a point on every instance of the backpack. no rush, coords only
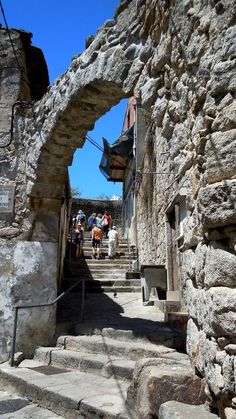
(81, 218)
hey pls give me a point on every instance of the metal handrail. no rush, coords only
(17, 308)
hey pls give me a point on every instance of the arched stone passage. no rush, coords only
(108, 70)
(178, 58)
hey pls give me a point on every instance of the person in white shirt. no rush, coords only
(113, 241)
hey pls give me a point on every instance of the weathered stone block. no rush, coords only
(157, 381)
(221, 311)
(223, 78)
(200, 255)
(177, 410)
(220, 266)
(220, 152)
(229, 47)
(226, 119)
(196, 301)
(217, 204)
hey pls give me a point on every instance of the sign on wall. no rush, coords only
(6, 199)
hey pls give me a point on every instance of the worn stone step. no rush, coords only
(99, 344)
(102, 364)
(113, 273)
(105, 261)
(98, 281)
(95, 279)
(13, 406)
(112, 289)
(87, 253)
(72, 394)
(87, 235)
(103, 285)
(133, 332)
(177, 410)
(101, 264)
(103, 279)
(121, 254)
(88, 244)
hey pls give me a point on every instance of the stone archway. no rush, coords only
(108, 70)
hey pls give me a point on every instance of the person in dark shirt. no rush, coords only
(92, 220)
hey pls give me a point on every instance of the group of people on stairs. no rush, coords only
(100, 226)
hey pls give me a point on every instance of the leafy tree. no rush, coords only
(103, 197)
(75, 192)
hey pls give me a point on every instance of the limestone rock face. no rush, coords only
(178, 59)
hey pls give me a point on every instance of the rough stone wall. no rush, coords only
(178, 58)
(191, 81)
(27, 270)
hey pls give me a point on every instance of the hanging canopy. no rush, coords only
(115, 156)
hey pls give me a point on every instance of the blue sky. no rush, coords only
(60, 29)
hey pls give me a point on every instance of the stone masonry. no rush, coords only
(178, 58)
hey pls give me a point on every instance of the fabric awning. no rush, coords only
(114, 158)
(124, 144)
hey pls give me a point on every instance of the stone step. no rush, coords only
(72, 394)
(105, 240)
(99, 344)
(102, 364)
(101, 270)
(174, 409)
(115, 288)
(87, 250)
(13, 406)
(132, 332)
(103, 285)
(104, 253)
(100, 275)
(88, 258)
(101, 264)
(88, 244)
(103, 281)
(111, 270)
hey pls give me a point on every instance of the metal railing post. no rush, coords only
(13, 346)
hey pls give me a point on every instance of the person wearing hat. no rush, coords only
(113, 242)
(81, 218)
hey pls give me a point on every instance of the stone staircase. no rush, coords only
(88, 375)
(103, 275)
(98, 368)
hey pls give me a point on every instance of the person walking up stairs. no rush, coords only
(96, 241)
(113, 242)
